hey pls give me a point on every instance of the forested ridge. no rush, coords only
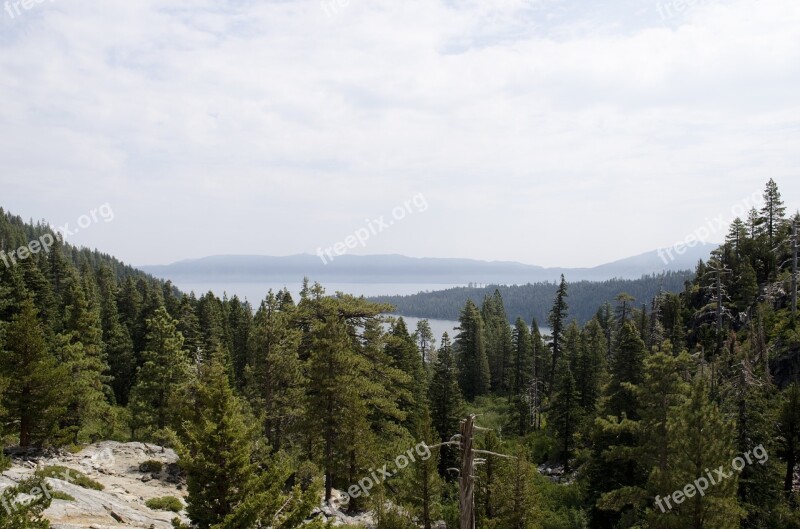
(533, 300)
(612, 419)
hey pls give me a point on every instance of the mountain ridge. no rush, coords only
(397, 268)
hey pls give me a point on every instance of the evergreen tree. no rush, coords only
(275, 382)
(627, 366)
(696, 419)
(474, 374)
(789, 436)
(231, 484)
(80, 350)
(516, 498)
(613, 471)
(425, 341)
(624, 307)
(498, 341)
(556, 318)
(346, 382)
(422, 491)
(400, 346)
(130, 307)
(487, 478)
(590, 366)
(239, 325)
(541, 363)
(773, 212)
(663, 390)
(34, 399)
(118, 346)
(446, 402)
(189, 327)
(565, 414)
(165, 369)
(522, 365)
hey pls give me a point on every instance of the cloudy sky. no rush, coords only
(549, 132)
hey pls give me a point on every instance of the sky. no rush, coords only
(557, 133)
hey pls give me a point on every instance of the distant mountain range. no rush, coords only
(402, 269)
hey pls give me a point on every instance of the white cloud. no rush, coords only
(273, 127)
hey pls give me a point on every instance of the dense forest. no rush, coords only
(680, 409)
(533, 301)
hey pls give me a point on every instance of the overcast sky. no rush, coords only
(548, 132)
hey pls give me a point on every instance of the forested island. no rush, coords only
(666, 402)
(534, 301)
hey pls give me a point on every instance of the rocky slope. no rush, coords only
(116, 466)
(126, 487)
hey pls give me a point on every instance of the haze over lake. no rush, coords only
(255, 291)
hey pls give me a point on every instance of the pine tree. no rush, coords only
(189, 327)
(210, 313)
(425, 341)
(789, 435)
(423, 487)
(34, 401)
(590, 366)
(487, 478)
(400, 346)
(515, 495)
(231, 484)
(662, 391)
(118, 346)
(522, 365)
(239, 324)
(627, 367)
(540, 363)
(704, 440)
(165, 369)
(475, 377)
(773, 212)
(275, 383)
(446, 403)
(129, 305)
(624, 307)
(349, 385)
(556, 319)
(565, 413)
(613, 471)
(80, 349)
(498, 341)
(746, 395)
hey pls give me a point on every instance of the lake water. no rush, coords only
(255, 292)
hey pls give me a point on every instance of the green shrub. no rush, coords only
(69, 475)
(165, 503)
(19, 513)
(151, 466)
(61, 495)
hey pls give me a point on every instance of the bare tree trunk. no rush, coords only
(466, 482)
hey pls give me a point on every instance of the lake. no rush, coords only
(254, 292)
